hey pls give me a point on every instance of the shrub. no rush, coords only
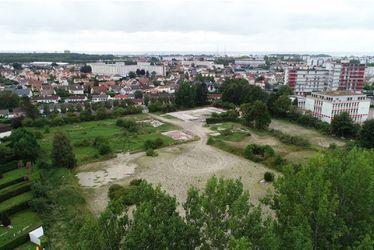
(228, 116)
(258, 153)
(136, 182)
(115, 191)
(153, 144)
(5, 220)
(268, 176)
(290, 139)
(104, 148)
(129, 124)
(151, 152)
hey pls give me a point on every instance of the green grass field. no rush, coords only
(22, 222)
(119, 139)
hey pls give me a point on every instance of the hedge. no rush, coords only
(16, 208)
(8, 166)
(16, 242)
(19, 240)
(12, 182)
(14, 192)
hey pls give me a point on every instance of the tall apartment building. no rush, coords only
(326, 105)
(303, 81)
(123, 70)
(345, 76)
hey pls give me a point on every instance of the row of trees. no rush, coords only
(323, 205)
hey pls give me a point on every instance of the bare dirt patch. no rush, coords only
(176, 169)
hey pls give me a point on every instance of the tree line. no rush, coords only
(326, 204)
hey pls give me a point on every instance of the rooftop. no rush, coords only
(339, 93)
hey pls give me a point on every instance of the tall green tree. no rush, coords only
(222, 216)
(327, 203)
(156, 223)
(8, 100)
(366, 137)
(185, 95)
(342, 125)
(24, 145)
(62, 151)
(201, 94)
(258, 116)
(30, 109)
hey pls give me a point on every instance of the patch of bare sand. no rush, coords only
(176, 169)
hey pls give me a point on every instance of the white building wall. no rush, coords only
(5, 134)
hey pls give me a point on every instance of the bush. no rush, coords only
(129, 124)
(115, 191)
(104, 148)
(136, 182)
(5, 220)
(268, 176)
(102, 145)
(153, 144)
(258, 153)
(151, 152)
(290, 139)
(228, 116)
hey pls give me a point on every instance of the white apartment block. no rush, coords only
(329, 104)
(120, 68)
(307, 80)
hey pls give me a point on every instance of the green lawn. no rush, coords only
(13, 174)
(9, 203)
(119, 139)
(24, 221)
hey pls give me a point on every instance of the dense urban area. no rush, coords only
(186, 151)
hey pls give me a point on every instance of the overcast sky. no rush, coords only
(191, 25)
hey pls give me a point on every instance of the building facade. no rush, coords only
(326, 105)
(304, 81)
(344, 76)
(122, 69)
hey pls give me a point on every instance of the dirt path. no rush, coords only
(176, 169)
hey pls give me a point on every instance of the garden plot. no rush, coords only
(153, 123)
(178, 135)
(196, 114)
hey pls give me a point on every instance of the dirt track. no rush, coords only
(176, 169)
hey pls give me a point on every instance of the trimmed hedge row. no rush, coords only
(19, 240)
(14, 192)
(12, 182)
(16, 208)
(8, 166)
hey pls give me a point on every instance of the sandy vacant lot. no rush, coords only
(176, 169)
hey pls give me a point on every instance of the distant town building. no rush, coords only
(122, 69)
(251, 62)
(326, 105)
(47, 99)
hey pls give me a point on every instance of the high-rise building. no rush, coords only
(344, 76)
